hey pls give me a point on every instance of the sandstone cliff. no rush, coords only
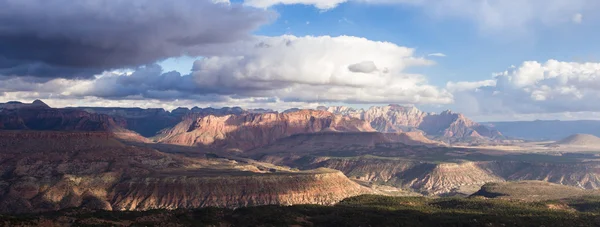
(439, 171)
(247, 131)
(44, 171)
(394, 118)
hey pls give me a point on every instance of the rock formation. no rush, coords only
(394, 118)
(247, 131)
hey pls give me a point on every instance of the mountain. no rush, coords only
(41, 117)
(251, 130)
(51, 170)
(580, 140)
(149, 122)
(545, 130)
(394, 118)
(19, 105)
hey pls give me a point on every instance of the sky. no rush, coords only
(493, 60)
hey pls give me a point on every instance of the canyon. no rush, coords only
(143, 159)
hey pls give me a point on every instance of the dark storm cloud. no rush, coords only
(66, 38)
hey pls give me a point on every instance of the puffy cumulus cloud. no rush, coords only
(76, 39)
(332, 69)
(269, 70)
(533, 88)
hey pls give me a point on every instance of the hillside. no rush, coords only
(46, 171)
(580, 140)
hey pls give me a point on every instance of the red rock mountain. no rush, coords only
(246, 131)
(395, 118)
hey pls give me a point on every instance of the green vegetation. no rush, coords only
(366, 210)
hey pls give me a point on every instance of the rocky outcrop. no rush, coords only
(45, 171)
(149, 122)
(247, 131)
(394, 118)
(324, 187)
(436, 173)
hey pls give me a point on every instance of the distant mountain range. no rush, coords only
(159, 123)
(446, 126)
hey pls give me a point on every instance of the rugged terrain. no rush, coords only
(446, 126)
(430, 170)
(246, 131)
(45, 171)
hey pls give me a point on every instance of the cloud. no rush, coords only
(363, 67)
(534, 88)
(64, 38)
(577, 18)
(325, 69)
(437, 55)
(280, 69)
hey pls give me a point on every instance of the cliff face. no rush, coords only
(394, 118)
(405, 170)
(149, 122)
(44, 171)
(247, 131)
(324, 187)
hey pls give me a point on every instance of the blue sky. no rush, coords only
(472, 54)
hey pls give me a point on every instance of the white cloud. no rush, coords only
(264, 70)
(534, 88)
(577, 18)
(324, 68)
(437, 55)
